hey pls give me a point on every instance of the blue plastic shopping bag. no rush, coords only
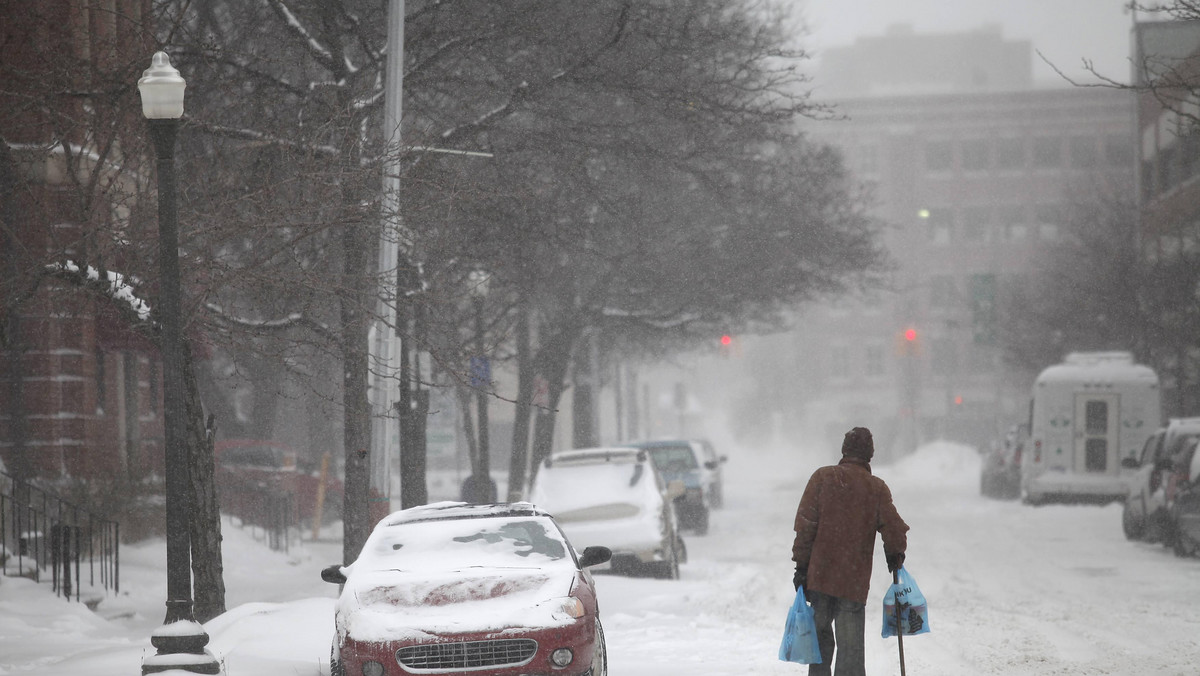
(914, 611)
(800, 634)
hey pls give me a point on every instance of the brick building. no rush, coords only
(80, 393)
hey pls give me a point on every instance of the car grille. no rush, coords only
(467, 655)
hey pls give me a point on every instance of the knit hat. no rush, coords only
(858, 444)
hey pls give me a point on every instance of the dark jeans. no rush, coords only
(845, 621)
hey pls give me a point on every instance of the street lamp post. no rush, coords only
(181, 640)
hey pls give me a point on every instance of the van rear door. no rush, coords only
(1096, 428)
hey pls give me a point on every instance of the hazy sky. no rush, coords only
(1065, 31)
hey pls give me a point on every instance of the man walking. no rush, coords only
(843, 506)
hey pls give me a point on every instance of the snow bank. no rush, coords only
(940, 463)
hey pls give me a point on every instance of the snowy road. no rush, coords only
(1012, 590)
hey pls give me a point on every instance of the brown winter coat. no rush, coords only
(843, 507)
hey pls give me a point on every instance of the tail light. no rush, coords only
(1037, 451)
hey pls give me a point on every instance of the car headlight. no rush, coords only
(372, 669)
(562, 657)
(569, 606)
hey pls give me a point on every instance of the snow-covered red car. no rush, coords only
(451, 588)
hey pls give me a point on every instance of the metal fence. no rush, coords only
(258, 505)
(43, 535)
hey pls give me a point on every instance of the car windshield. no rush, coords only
(455, 544)
(562, 488)
(673, 458)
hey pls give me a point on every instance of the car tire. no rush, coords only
(665, 570)
(335, 665)
(1133, 527)
(599, 653)
(702, 521)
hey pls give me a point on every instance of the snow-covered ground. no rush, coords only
(1012, 590)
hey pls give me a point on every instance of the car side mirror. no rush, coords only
(1130, 463)
(712, 464)
(333, 574)
(675, 489)
(723, 458)
(594, 556)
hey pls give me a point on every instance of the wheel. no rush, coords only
(1133, 526)
(335, 665)
(600, 653)
(702, 521)
(665, 570)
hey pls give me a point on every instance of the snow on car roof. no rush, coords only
(597, 455)
(1100, 367)
(459, 510)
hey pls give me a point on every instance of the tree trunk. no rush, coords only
(356, 406)
(204, 524)
(520, 437)
(554, 361)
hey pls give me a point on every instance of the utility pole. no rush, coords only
(384, 360)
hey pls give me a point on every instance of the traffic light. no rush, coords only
(908, 343)
(727, 345)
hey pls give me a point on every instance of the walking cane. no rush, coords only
(899, 629)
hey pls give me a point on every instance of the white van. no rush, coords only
(1088, 413)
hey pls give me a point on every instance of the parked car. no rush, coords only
(711, 466)
(1160, 469)
(1185, 513)
(1000, 473)
(614, 497)
(683, 460)
(454, 588)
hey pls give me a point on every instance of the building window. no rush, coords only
(101, 384)
(1010, 153)
(939, 156)
(1047, 152)
(976, 155)
(1168, 172)
(941, 224)
(1189, 155)
(153, 380)
(1012, 222)
(942, 291)
(1118, 152)
(1049, 219)
(1084, 153)
(976, 224)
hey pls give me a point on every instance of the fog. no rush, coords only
(1065, 31)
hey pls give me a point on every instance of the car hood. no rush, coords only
(396, 605)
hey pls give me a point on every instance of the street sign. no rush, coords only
(481, 372)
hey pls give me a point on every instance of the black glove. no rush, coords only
(800, 578)
(894, 561)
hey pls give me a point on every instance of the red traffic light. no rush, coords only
(910, 335)
(726, 340)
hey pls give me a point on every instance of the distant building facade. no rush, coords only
(80, 394)
(1166, 75)
(971, 174)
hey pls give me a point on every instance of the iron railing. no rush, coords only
(40, 534)
(259, 505)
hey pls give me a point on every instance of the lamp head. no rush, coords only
(162, 89)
